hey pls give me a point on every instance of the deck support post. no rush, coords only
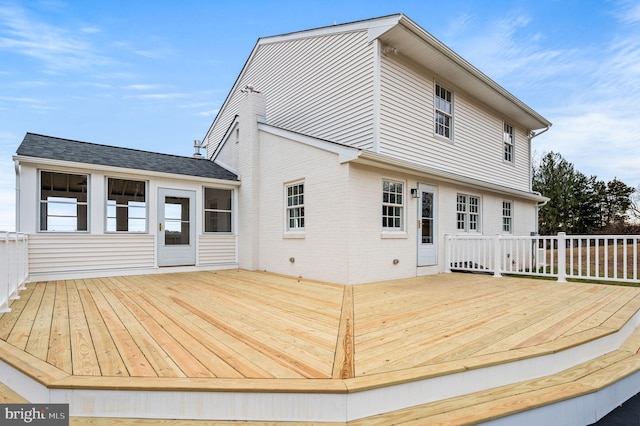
(562, 257)
(496, 256)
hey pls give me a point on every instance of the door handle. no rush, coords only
(160, 225)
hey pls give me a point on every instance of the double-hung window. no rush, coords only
(508, 143)
(443, 112)
(468, 213)
(507, 217)
(392, 205)
(63, 202)
(126, 205)
(295, 206)
(217, 210)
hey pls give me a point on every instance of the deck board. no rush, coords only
(243, 327)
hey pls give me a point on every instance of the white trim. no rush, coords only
(345, 153)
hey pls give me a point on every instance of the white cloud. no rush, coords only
(57, 48)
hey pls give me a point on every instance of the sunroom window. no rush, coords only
(126, 205)
(217, 210)
(63, 202)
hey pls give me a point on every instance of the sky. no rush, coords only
(152, 74)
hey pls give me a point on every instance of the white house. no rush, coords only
(343, 154)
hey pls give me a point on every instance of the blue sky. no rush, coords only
(151, 75)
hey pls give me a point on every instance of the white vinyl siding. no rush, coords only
(407, 129)
(50, 253)
(214, 249)
(321, 86)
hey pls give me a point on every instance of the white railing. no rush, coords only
(14, 267)
(591, 257)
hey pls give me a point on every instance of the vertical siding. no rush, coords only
(321, 86)
(57, 253)
(407, 131)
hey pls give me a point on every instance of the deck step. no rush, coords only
(491, 404)
(8, 396)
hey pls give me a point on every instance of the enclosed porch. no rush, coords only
(236, 345)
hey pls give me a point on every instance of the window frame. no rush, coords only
(107, 205)
(387, 203)
(468, 213)
(508, 143)
(47, 202)
(507, 217)
(217, 210)
(297, 206)
(438, 102)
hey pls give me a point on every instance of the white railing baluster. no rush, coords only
(14, 267)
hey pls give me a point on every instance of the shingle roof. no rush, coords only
(40, 146)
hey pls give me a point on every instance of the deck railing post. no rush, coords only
(562, 257)
(497, 263)
(4, 272)
(447, 253)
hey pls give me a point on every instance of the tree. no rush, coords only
(579, 204)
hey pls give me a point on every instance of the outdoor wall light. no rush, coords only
(396, 261)
(292, 259)
(414, 192)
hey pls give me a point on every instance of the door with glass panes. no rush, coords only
(176, 227)
(427, 225)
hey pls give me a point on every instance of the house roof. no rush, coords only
(52, 148)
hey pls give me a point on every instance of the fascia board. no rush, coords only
(383, 161)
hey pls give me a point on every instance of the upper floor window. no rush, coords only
(507, 138)
(392, 205)
(468, 213)
(217, 210)
(63, 202)
(444, 112)
(295, 206)
(507, 217)
(126, 205)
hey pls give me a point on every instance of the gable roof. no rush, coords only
(52, 148)
(407, 38)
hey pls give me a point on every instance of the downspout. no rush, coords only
(16, 165)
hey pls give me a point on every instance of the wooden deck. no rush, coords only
(241, 331)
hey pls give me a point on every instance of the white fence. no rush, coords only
(14, 267)
(591, 257)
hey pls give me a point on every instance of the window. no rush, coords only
(507, 138)
(392, 205)
(217, 210)
(444, 112)
(295, 206)
(63, 202)
(126, 205)
(468, 213)
(507, 218)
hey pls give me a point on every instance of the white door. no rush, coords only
(176, 227)
(427, 224)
